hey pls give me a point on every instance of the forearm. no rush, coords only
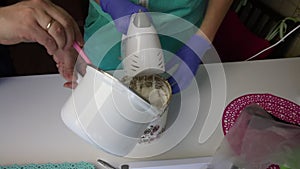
(214, 16)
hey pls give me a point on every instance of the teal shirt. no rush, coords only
(175, 21)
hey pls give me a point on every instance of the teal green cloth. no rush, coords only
(77, 165)
(175, 21)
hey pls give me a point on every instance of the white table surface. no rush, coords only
(32, 131)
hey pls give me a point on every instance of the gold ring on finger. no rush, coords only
(49, 24)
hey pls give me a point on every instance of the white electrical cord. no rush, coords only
(282, 39)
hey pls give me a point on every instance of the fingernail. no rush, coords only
(80, 43)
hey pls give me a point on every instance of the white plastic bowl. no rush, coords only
(107, 113)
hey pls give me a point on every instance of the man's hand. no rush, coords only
(65, 62)
(38, 21)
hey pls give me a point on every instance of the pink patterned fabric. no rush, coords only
(273, 166)
(279, 107)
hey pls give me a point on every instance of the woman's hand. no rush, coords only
(38, 21)
(121, 11)
(188, 59)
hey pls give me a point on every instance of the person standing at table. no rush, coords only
(207, 15)
(43, 22)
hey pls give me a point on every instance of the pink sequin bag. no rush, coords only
(262, 132)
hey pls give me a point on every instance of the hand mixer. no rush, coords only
(143, 67)
(141, 48)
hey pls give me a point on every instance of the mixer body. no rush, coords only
(141, 48)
